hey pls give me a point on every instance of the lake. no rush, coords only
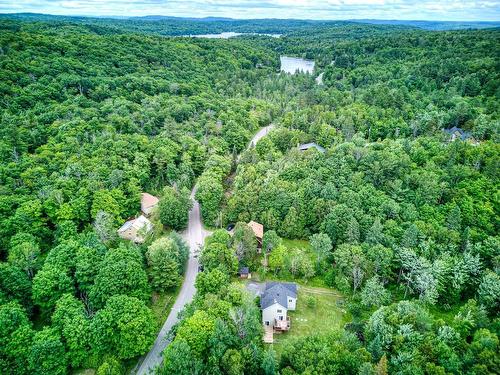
(228, 34)
(293, 64)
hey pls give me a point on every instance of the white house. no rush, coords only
(136, 229)
(275, 302)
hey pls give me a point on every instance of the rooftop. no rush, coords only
(464, 135)
(148, 200)
(258, 229)
(307, 146)
(138, 223)
(276, 292)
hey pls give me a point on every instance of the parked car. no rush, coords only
(230, 227)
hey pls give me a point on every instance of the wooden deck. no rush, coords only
(268, 334)
(282, 325)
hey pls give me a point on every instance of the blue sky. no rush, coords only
(451, 10)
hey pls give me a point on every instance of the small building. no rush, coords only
(455, 133)
(148, 203)
(258, 230)
(275, 302)
(307, 146)
(244, 273)
(136, 229)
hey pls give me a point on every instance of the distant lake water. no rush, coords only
(228, 34)
(293, 64)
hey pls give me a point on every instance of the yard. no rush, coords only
(318, 311)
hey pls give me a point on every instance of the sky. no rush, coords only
(444, 10)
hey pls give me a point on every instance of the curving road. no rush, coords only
(194, 236)
(260, 134)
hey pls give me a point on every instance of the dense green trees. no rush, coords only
(14, 285)
(49, 285)
(393, 229)
(92, 115)
(218, 254)
(16, 334)
(210, 189)
(244, 243)
(121, 272)
(336, 353)
(72, 323)
(174, 208)
(166, 261)
(47, 355)
(413, 341)
(124, 327)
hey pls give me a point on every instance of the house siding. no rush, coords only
(293, 304)
(271, 312)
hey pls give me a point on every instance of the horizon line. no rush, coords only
(243, 19)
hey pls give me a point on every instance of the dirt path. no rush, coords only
(321, 291)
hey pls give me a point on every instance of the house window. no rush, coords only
(290, 300)
(278, 311)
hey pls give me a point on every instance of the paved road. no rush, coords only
(194, 236)
(260, 134)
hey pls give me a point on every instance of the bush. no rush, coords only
(311, 302)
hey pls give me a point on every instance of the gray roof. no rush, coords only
(127, 225)
(464, 135)
(244, 270)
(307, 146)
(276, 292)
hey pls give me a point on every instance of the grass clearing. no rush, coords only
(326, 313)
(161, 304)
(301, 244)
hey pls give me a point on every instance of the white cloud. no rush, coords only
(466, 10)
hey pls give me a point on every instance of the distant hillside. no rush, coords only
(231, 24)
(178, 26)
(436, 25)
(162, 18)
(172, 26)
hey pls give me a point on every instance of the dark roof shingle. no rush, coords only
(276, 292)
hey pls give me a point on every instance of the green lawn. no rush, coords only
(327, 314)
(301, 244)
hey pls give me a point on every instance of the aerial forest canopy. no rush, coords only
(401, 220)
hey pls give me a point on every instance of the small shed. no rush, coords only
(148, 203)
(244, 273)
